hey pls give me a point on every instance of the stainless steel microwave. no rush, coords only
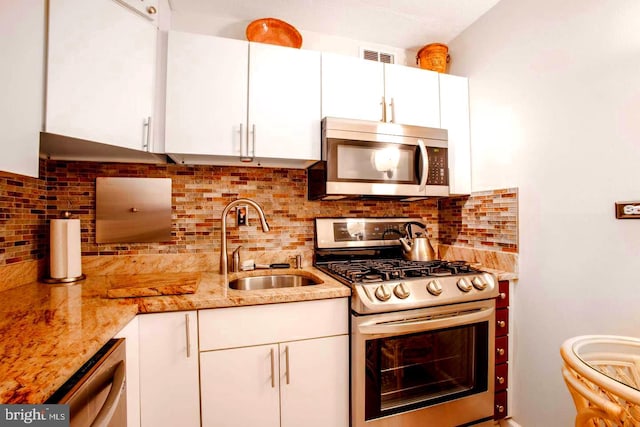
(363, 159)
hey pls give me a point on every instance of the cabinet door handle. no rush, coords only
(383, 103)
(502, 323)
(273, 369)
(500, 408)
(187, 331)
(500, 380)
(286, 358)
(146, 144)
(503, 295)
(500, 351)
(393, 111)
(244, 157)
(253, 142)
(241, 156)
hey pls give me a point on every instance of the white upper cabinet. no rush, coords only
(454, 110)
(284, 102)
(145, 8)
(206, 106)
(360, 89)
(412, 96)
(352, 88)
(101, 71)
(22, 74)
(235, 102)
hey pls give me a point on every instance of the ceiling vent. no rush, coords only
(374, 55)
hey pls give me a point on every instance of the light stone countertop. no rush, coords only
(49, 331)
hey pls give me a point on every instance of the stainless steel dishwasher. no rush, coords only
(96, 393)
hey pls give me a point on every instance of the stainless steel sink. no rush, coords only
(272, 282)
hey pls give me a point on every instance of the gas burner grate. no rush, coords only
(380, 270)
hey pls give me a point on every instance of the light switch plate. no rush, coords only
(133, 210)
(628, 210)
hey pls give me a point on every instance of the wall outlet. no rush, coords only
(241, 216)
(628, 210)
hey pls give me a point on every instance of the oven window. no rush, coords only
(413, 371)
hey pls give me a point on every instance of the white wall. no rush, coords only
(555, 111)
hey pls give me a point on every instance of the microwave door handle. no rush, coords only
(413, 326)
(425, 165)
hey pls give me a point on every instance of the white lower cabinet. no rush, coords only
(278, 365)
(131, 334)
(314, 382)
(238, 387)
(169, 388)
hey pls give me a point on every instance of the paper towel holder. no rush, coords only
(64, 280)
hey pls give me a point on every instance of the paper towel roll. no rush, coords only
(65, 254)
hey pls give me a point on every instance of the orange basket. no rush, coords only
(273, 31)
(434, 57)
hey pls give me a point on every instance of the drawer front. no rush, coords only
(502, 350)
(500, 408)
(503, 299)
(265, 324)
(502, 377)
(502, 321)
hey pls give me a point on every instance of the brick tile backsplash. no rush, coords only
(23, 209)
(200, 193)
(485, 220)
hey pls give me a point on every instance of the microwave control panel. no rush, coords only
(438, 166)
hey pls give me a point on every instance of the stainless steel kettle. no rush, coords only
(416, 248)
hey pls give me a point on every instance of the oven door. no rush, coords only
(422, 367)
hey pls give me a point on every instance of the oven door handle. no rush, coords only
(419, 325)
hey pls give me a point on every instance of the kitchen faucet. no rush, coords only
(224, 257)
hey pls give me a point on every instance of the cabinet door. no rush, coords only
(240, 387)
(206, 105)
(284, 102)
(314, 382)
(169, 387)
(352, 88)
(454, 112)
(412, 96)
(132, 336)
(22, 76)
(101, 70)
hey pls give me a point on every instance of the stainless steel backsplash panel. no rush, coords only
(133, 210)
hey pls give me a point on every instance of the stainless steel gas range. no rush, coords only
(422, 332)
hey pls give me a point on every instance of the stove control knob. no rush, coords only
(434, 288)
(479, 284)
(382, 293)
(464, 285)
(401, 291)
